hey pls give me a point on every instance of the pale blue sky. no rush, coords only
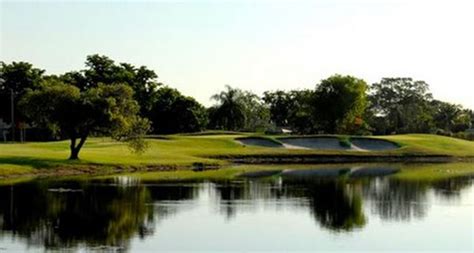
(199, 46)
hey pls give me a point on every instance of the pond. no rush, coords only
(277, 213)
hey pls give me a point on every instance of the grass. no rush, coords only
(432, 144)
(184, 150)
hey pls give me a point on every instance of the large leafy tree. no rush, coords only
(291, 109)
(402, 104)
(339, 103)
(102, 69)
(450, 117)
(19, 76)
(175, 113)
(76, 114)
(280, 104)
(16, 77)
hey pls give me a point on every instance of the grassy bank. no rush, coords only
(179, 151)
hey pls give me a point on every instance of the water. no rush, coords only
(278, 214)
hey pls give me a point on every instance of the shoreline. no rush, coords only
(234, 160)
(321, 159)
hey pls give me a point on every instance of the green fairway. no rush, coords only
(184, 150)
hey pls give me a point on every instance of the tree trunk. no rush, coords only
(75, 149)
(74, 154)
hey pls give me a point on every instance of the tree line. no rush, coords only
(126, 101)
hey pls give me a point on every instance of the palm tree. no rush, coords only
(229, 114)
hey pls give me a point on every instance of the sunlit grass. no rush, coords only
(184, 150)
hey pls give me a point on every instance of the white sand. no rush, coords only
(322, 143)
(370, 144)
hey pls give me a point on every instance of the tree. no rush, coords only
(176, 113)
(239, 110)
(229, 114)
(105, 109)
(291, 109)
(280, 104)
(16, 77)
(19, 76)
(403, 104)
(450, 117)
(257, 114)
(102, 69)
(471, 112)
(339, 102)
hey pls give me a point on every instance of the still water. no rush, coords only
(279, 214)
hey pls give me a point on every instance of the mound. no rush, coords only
(261, 142)
(327, 143)
(372, 172)
(373, 144)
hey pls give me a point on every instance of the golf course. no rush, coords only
(217, 153)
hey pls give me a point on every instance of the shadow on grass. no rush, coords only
(37, 163)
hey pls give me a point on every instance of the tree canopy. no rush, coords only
(175, 113)
(291, 109)
(401, 105)
(102, 69)
(19, 76)
(105, 109)
(229, 113)
(239, 110)
(339, 102)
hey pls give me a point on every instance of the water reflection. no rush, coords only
(110, 213)
(334, 204)
(397, 200)
(95, 216)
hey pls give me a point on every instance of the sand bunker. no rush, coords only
(373, 144)
(372, 172)
(262, 142)
(321, 143)
(326, 143)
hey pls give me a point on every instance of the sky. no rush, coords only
(200, 46)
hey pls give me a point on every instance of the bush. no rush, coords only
(465, 136)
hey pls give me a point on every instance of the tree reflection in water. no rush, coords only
(335, 204)
(397, 200)
(332, 203)
(111, 213)
(93, 215)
